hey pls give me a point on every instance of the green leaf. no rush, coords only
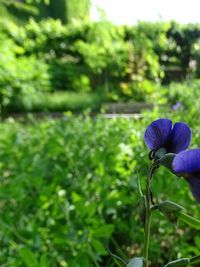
(44, 261)
(195, 223)
(136, 262)
(99, 247)
(168, 207)
(119, 263)
(178, 263)
(103, 231)
(28, 257)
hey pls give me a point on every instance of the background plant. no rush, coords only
(70, 186)
(118, 62)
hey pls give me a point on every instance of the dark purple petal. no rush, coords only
(194, 183)
(187, 162)
(180, 137)
(158, 133)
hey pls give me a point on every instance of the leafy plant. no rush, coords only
(69, 189)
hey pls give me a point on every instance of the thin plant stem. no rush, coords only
(147, 215)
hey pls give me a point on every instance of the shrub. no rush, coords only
(21, 78)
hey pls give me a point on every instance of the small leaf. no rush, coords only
(195, 223)
(142, 209)
(169, 207)
(136, 262)
(178, 263)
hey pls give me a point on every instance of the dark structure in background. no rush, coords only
(65, 10)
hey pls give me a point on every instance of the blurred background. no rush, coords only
(80, 80)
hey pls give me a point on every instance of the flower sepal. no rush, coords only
(167, 161)
(160, 153)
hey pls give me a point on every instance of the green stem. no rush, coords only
(147, 216)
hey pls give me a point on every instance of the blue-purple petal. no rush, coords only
(180, 137)
(158, 133)
(187, 162)
(194, 183)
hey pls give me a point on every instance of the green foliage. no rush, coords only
(20, 77)
(69, 187)
(149, 41)
(116, 62)
(186, 93)
(78, 10)
(184, 37)
(60, 101)
(88, 56)
(61, 217)
(193, 222)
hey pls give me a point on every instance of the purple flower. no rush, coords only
(178, 105)
(162, 134)
(187, 164)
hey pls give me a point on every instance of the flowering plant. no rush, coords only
(168, 146)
